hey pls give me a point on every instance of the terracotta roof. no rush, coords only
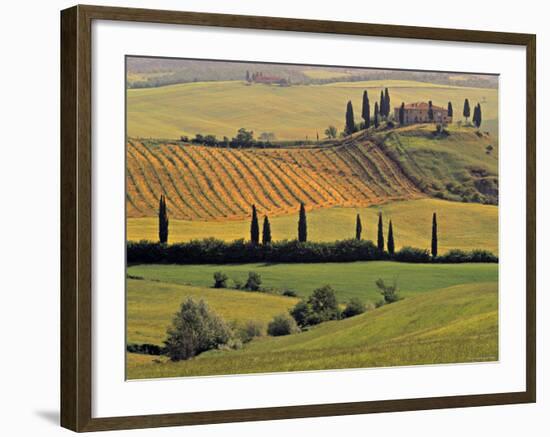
(422, 105)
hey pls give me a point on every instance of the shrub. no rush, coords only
(253, 282)
(301, 313)
(282, 325)
(412, 254)
(388, 292)
(250, 330)
(354, 308)
(323, 303)
(220, 280)
(195, 329)
(289, 293)
(232, 344)
(319, 307)
(237, 284)
(212, 251)
(145, 348)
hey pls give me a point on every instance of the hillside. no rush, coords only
(291, 113)
(463, 226)
(212, 183)
(458, 166)
(354, 279)
(450, 325)
(150, 306)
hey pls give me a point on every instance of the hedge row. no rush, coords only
(213, 251)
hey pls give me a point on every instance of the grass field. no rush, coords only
(354, 279)
(294, 112)
(151, 305)
(450, 325)
(464, 226)
(457, 165)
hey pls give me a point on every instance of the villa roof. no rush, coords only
(422, 105)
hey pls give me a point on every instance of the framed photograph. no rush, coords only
(268, 218)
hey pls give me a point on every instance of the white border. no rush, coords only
(112, 396)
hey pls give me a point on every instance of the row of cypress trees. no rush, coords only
(302, 228)
(302, 231)
(381, 110)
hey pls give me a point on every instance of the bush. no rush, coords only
(237, 284)
(388, 292)
(323, 302)
(301, 313)
(195, 329)
(413, 255)
(289, 293)
(282, 325)
(250, 330)
(253, 282)
(212, 251)
(145, 348)
(320, 307)
(354, 308)
(220, 280)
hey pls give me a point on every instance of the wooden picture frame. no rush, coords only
(76, 217)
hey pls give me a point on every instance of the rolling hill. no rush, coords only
(463, 226)
(354, 279)
(210, 190)
(291, 113)
(152, 304)
(213, 183)
(450, 325)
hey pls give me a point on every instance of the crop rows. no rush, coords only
(208, 183)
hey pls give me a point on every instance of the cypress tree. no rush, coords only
(254, 227)
(266, 232)
(382, 106)
(302, 224)
(358, 227)
(350, 119)
(387, 102)
(430, 111)
(376, 112)
(466, 110)
(434, 236)
(391, 243)
(163, 220)
(365, 112)
(402, 113)
(449, 109)
(477, 116)
(380, 234)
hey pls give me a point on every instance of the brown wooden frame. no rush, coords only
(76, 241)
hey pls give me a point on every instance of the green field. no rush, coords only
(151, 305)
(461, 225)
(294, 112)
(354, 279)
(449, 325)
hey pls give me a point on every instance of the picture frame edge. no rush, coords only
(76, 225)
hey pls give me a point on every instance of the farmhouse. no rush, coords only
(418, 113)
(269, 80)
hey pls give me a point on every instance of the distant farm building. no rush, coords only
(268, 80)
(418, 113)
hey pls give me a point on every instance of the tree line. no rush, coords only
(382, 111)
(211, 250)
